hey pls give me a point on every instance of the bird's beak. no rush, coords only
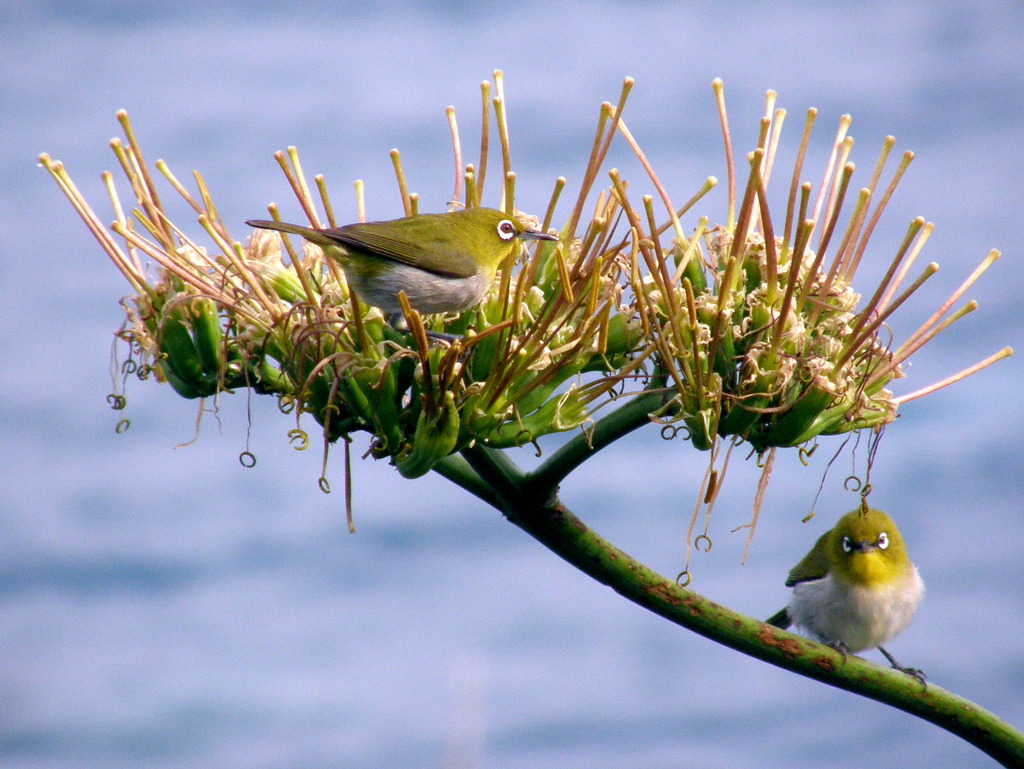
(863, 546)
(536, 235)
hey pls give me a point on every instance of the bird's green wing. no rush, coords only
(814, 565)
(404, 242)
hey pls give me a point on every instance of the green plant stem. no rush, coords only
(458, 471)
(574, 452)
(500, 473)
(537, 511)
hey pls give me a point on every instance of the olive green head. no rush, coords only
(489, 235)
(865, 546)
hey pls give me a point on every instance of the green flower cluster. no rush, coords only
(750, 335)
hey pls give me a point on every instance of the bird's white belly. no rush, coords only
(427, 293)
(836, 611)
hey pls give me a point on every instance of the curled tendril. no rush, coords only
(298, 439)
(247, 459)
(705, 539)
(143, 372)
(805, 454)
(864, 493)
(122, 426)
(129, 366)
(324, 484)
(523, 437)
(684, 578)
(285, 403)
(117, 402)
(852, 483)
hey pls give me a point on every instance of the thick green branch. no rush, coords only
(582, 446)
(557, 528)
(494, 468)
(458, 471)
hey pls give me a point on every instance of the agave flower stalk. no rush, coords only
(220, 316)
(762, 336)
(749, 332)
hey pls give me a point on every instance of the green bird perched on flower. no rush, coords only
(857, 588)
(443, 262)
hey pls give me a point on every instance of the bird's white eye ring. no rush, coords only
(883, 541)
(847, 545)
(506, 229)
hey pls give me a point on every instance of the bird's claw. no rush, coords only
(840, 647)
(913, 672)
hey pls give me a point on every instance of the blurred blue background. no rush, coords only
(165, 607)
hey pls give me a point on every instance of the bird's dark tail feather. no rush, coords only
(310, 234)
(780, 619)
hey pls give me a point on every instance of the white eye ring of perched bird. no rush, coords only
(506, 229)
(847, 545)
(883, 541)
